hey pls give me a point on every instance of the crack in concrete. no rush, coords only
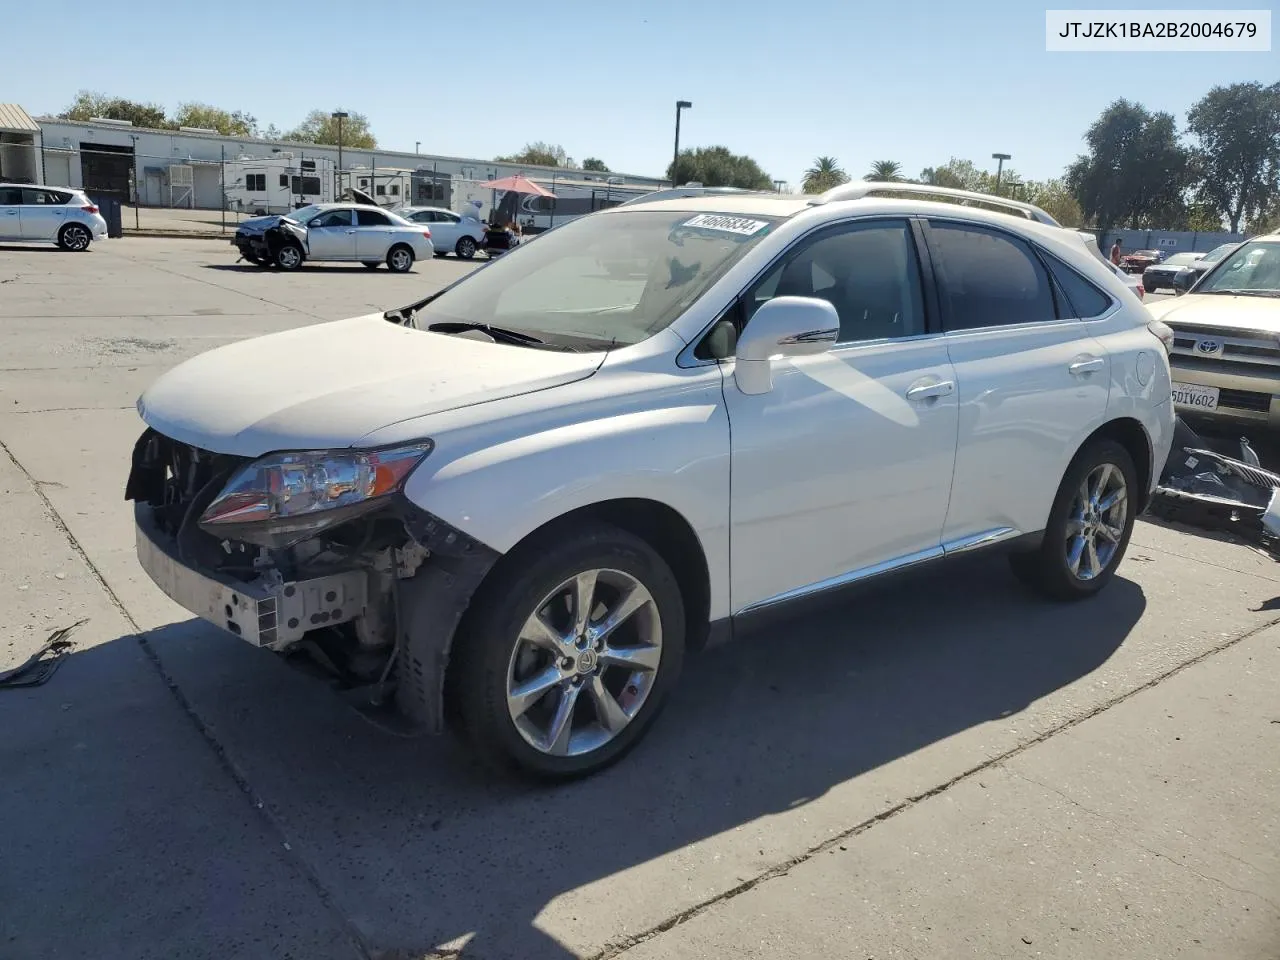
(613, 950)
(1144, 847)
(224, 760)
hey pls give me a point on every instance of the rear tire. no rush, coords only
(466, 248)
(75, 237)
(399, 259)
(615, 683)
(1089, 526)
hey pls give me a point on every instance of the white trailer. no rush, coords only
(279, 183)
(389, 186)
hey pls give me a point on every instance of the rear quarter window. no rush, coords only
(1078, 298)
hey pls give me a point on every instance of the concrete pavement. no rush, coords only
(172, 792)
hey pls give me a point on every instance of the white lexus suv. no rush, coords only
(513, 506)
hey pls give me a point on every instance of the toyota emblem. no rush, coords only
(1208, 347)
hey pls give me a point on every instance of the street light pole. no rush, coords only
(1000, 158)
(416, 145)
(675, 160)
(339, 115)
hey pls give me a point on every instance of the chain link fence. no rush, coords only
(155, 193)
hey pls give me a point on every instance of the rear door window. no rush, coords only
(988, 278)
(42, 197)
(372, 218)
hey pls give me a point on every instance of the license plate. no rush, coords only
(1195, 396)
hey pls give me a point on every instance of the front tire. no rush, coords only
(289, 257)
(568, 656)
(75, 237)
(1089, 526)
(400, 259)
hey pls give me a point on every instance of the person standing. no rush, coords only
(1115, 252)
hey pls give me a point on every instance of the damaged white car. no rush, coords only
(513, 506)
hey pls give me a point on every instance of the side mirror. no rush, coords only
(782, 327)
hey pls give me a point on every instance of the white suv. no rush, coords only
(518, 502)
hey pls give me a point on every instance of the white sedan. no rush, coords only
(449, 230)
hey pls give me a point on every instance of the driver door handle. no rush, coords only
(1086, 365)
(931, 390)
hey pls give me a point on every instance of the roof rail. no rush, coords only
(865, 188)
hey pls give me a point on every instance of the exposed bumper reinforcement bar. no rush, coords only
(266, 614)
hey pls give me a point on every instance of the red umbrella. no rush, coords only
(518, 184)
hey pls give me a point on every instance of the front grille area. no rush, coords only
(1245, 400)
(1239, 347)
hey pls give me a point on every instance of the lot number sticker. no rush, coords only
(739, 225)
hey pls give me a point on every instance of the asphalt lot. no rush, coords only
(980, 774)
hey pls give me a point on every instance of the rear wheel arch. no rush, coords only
(1131, 435)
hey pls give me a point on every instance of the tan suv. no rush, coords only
(1226, 347)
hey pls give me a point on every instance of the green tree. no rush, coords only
(1237, 153)
(1135, 172)
(232, 124)
(89, 104)
(717, 167)
(595, 166)
(885, 171)
(956, 174)
(1055, 198)
(539, 154)
(321, 127)
(1204, 217)
(825, 173)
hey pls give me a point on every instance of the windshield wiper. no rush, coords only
(1247, 293)
(501, 334)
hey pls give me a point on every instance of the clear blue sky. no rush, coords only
(914, 82)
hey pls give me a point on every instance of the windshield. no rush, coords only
(303, 214)
(612, 278)
(1253, 270)
(1217, 253)
(1181, 259)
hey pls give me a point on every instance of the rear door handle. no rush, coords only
(931, 390)
(1087, 365)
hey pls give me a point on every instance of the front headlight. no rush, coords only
(286, 497)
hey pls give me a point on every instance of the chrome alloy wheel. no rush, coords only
(401, 260)
(1096, 521)
(76, 237)
(584, 663)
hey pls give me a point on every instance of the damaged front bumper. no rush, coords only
(266, 612)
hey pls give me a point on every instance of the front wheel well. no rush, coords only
(1131, 435)
(664, 529)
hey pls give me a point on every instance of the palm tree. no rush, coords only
(823, 175)
(885, 171)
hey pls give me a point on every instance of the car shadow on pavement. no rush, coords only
(310, 269)
(418, 848)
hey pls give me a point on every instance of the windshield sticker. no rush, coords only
(714, 221)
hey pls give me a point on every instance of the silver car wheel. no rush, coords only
(584, 663)
(75, 237)
(289, 257)
(1096, 521)
(401, 260)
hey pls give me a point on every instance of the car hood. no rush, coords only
(1219, 310)
(327, 386)
(258, 224)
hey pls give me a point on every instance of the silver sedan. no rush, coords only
(336, 232)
